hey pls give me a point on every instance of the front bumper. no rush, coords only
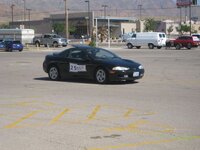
(126, 75)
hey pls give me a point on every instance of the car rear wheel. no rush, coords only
(189, 46)
(37, 44)
(55, 44)
(130, 46)
(151, 46)
(101, 76)
(178, 46)
(54, 73)
(10, 50)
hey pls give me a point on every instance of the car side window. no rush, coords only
(134, 36)
(47, 36)
(76, 54)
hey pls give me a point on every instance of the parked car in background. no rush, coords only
(2, 45)
(50, 40)
(10, 45)
(185, 41)
(150, 39)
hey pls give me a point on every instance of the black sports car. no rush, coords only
(93, 63)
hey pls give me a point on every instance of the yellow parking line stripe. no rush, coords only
(139, 144)
(128, 113)
(131, 127)
(94, 113)
(55, 119)
(14, 124)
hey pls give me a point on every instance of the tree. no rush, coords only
(72, 29)
(170, 29)
(150, 24)
(4, 26)
(183, 28)
(103, 32)
(58, 28)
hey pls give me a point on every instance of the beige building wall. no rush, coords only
(128, 27)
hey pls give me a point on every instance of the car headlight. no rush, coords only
(141, 67)
(120, 68)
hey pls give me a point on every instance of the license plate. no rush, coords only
(136, 74)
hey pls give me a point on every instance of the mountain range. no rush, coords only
(129, 8)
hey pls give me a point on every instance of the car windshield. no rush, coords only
(195, 38)
(16, 42)
(101, 53)
(56, 36)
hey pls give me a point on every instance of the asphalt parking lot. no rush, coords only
(159, 112)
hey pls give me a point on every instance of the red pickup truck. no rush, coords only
(185, 41)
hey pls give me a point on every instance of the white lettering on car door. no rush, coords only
(77, 68)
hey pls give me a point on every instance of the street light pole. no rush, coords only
(12, 7)
(140, 8)
(24, 10)
(190, 7)
(29, 16)
(89, 32)
(104, 7)
(66, 20)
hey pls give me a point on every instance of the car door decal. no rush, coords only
(77, 68)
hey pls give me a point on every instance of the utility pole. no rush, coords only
(140, 8)
(24, 10)
(190, 7)
(104, 7)
(66, 20)
(29, 16)
(89, 29)
(12, 12)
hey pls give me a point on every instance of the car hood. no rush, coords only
(119, 62)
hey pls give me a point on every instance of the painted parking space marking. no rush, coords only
(58, 117)
(131, 126)
(14, 124)
(129, 112)
(140, 144)
(121, 121)
(92, 116)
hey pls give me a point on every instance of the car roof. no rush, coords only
(81, 46)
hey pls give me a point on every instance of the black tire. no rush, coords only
(159, 47)
(101, 76)
(130, 46)
(37, 44)
(55, 44)
(53, 73)
(10, 50)
(178, 46)
(189, 46)
(151, 46)
(138, 47)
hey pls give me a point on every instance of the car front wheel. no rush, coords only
(101, 76)
(130, 46)
(189, 46)
(54, 73)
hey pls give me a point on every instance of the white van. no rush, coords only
(150, 39)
